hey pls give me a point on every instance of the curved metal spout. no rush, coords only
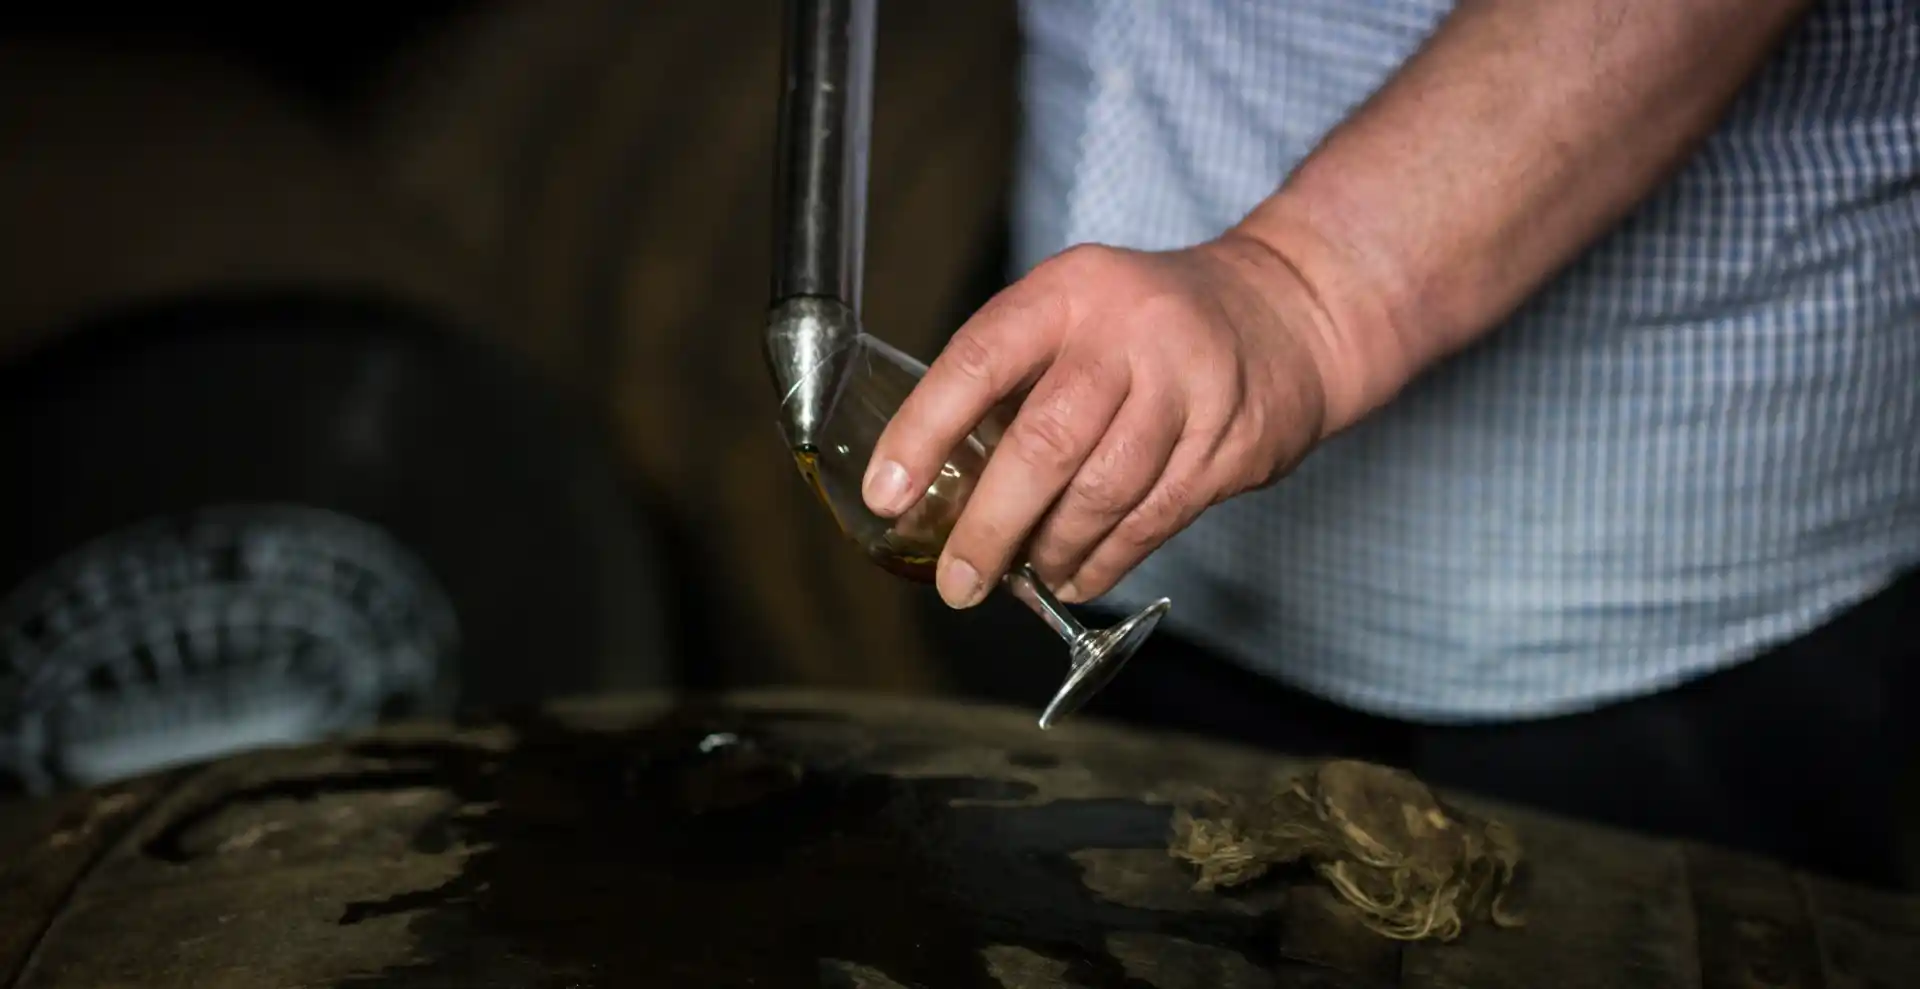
(820, 208)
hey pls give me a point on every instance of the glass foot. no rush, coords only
(1098, 655)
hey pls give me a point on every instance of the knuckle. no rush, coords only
(1164, 309)
(1137, 541)
(1079, 260)
(1044, 437)
(1100, 491)
(970, 357)
(1257, 463)
(1047, 432)
(1157, 517)
(1139, 532)
(1181, 498)
(1219, 390)
(1230, 373)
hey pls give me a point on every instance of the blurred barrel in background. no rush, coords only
(610, 166)
(267, 473)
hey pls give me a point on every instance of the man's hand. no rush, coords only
(1155, 385)
(1164, 383)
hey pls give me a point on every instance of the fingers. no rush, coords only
(1178, 496)
(1121, 471)
(1060, 423)
(1002, 349)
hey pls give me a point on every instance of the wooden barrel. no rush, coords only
(141, 173)
(611, 166)
(250, 408)
(790, 839)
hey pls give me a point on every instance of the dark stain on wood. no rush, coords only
(586, 839)
(792, 839)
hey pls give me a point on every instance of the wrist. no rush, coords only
(1339, 302)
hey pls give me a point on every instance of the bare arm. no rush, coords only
(1519, 135)
(1162, 383)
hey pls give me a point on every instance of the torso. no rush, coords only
(1700, 440)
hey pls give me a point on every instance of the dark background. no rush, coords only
(489, 276)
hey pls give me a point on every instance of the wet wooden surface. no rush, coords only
(610, 166)
(808, 839)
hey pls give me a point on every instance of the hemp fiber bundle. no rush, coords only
(1414, 867)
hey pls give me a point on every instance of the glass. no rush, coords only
(879, 377)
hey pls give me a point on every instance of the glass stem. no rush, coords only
(1032, 591)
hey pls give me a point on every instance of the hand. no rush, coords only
(1155, 386)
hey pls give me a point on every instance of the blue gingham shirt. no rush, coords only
(1701, 440)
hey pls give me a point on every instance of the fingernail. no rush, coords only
(959, 584)
(885, 487)
(1068, 593)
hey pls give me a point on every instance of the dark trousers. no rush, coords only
(1806, 754)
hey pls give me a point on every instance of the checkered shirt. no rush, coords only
(1700, 440)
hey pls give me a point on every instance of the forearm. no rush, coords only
(1519, 135)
